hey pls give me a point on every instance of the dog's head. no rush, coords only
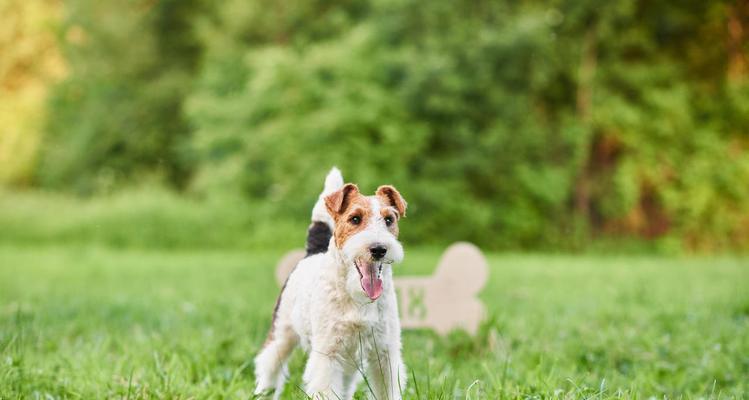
(366, 234)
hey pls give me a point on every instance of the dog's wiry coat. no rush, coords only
(339, 305)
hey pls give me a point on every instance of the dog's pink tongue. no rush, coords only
(371, 284)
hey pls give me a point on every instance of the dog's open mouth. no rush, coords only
(370, 274)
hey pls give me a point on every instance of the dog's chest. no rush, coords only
(362, 331)
(359, 318)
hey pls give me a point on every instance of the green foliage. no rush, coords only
(508, 125)
(119, 112)
(664, 156)
(390, 103)
(98, 323)
(513, 125)
(30, 62)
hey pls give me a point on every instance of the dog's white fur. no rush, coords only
(324, 310)
(333, 182)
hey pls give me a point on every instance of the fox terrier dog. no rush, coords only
(339, 302)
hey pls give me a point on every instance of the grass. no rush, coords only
(94, 322)
(142, 217)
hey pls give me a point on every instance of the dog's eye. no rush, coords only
(388, 220)
(356, 220)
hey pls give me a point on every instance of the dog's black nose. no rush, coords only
(378, 251)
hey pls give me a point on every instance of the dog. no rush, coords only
(339, 303)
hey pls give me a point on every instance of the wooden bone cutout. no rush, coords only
(444, 301)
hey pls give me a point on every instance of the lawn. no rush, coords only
(93, 322)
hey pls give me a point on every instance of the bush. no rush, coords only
(513, 125)
(508, 125)
(118, 114)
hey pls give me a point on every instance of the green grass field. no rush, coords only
(91, 322)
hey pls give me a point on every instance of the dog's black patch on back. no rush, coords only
(318, 238)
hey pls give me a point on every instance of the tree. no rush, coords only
(30, 61)
(119, 113)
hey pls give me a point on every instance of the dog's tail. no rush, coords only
(321, 229)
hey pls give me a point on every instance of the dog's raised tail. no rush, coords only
(321, 229)
(333, 181)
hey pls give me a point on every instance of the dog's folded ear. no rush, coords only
(338, 201)
(390, 196)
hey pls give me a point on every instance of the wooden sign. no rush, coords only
(444, 301)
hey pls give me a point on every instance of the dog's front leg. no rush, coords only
(323, 377)
(387, 372)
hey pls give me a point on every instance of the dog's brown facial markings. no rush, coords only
(391, 220)
(350, 210)
(390, 196)
(393, 207)
(352, 221)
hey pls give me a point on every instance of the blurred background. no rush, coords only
(158, 157)
(534, 125)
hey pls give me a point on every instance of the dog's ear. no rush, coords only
(338, 201)
(390, 196)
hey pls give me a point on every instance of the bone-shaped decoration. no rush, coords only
(443, 301)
